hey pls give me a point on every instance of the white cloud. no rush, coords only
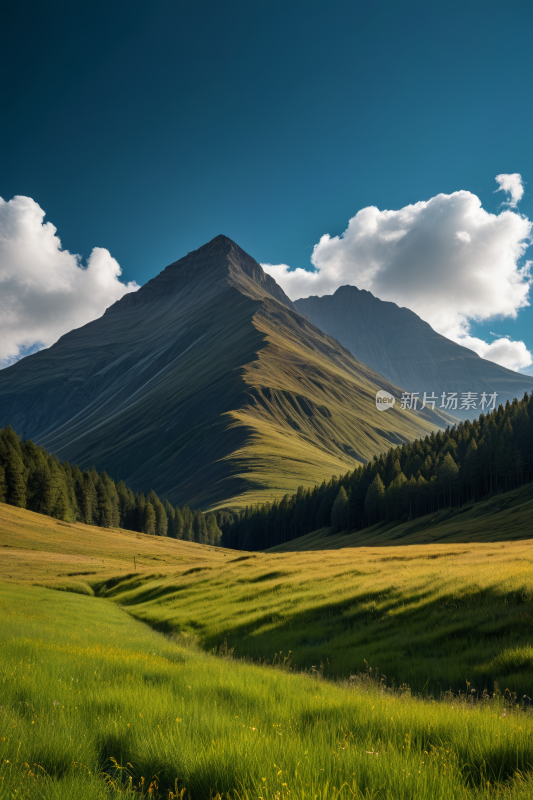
(44, 290)
(504, 351)
(446, 258)
(512, 184)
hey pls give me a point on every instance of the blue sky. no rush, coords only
(148, 129)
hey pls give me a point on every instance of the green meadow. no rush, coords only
(95, 704)
(162, 669)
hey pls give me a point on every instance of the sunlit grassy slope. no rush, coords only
(309, 410)
(96, 705)
(35, 547)
(432, 616)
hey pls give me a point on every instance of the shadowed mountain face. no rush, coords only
(398, 344)
(208, 386)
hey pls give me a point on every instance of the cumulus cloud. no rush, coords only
(504, 351)
(513, 186)
(446, 258)
(44, 290)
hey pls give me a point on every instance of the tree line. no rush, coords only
(32, 478)
(447, 468)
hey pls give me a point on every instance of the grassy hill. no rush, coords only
(430, 615)
(97, 704)
(34, 547)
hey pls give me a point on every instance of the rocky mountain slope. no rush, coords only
(406, 350)
(208, 386)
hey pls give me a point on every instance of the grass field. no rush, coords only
(431, 616)
(34, 547)
(95, 704)
(86, 681)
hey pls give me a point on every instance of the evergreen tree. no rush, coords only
(339, 512)
(40, 490)
(177, 527)
(149, 518)
(199, 527)
(188, 534)
(109, 486)
(395, 496)
(88, 502)
(3, 485)
(15, 478)
(104, 508)
(169, 511)
(374, 498)
(447, 472)
(161, 519)
(214, 534)
(126, 504)
(62, 508)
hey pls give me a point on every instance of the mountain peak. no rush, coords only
(207, 271)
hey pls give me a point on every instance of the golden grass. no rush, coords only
(35, 547)
(442, 612)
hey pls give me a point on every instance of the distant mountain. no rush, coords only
(398, 344)
(207, 386)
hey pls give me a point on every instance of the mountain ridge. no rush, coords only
(208, 386)
(406, 350)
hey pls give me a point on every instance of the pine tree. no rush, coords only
(15, 477)
(199, 527)
(109, 486)
(104, 508)
(339, 511)
(140, 502)
(177, 527)
(188, 534)
(214, 534)
(149, 518)
(447, 473)
(88, 502)
(39, 486)
(374, 498)
(161, 520)
(3, 485)
(169, 511)
(395, 496)
(61, 509)
(126, 503)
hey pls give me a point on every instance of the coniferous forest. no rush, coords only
(449, 468)
(32, 478)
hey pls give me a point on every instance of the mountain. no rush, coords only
(208, 386)
(406, 350)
